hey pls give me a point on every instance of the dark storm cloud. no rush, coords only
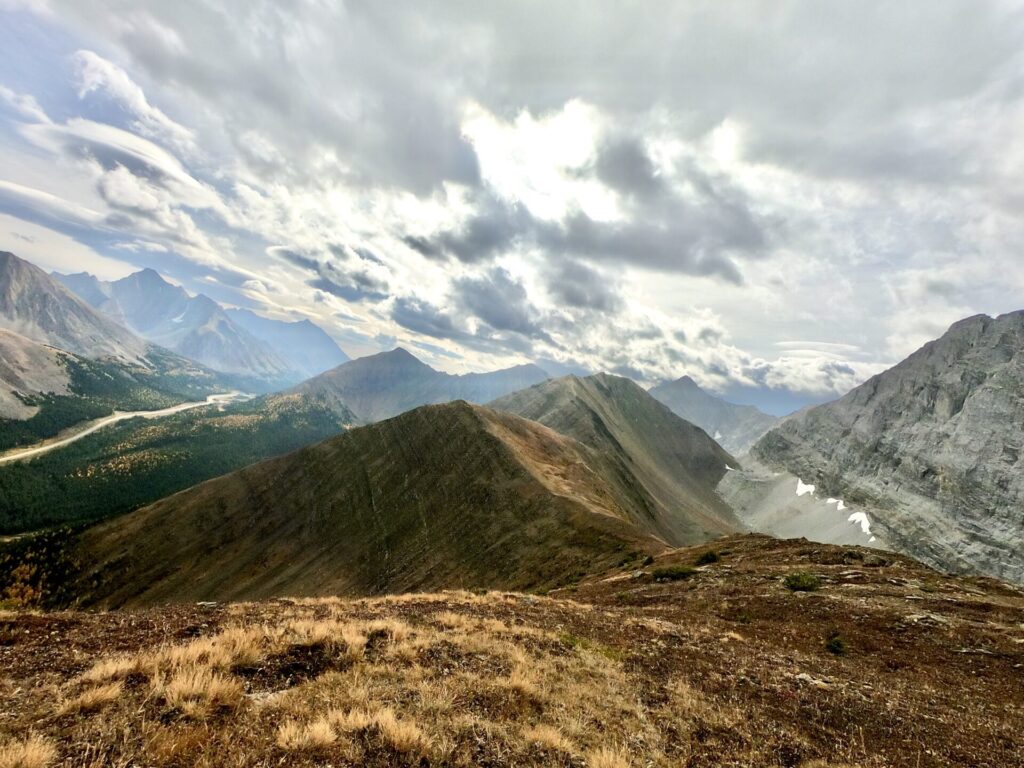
(350, 280)
(422, 317)
(624, 165)
(575, 284)
(500, 301)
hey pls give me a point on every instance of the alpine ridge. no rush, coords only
(452, 495)
(673, 465)
(735, 427)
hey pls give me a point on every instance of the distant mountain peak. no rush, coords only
(40, 307)
(388, 383)
(736, 427)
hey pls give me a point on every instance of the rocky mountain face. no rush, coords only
(194, 326)
(734, 427)
(384, 385)
(931, 448)
(27, 366)
(672, 465)
(34, 305)
(443, 496)
(303, 345)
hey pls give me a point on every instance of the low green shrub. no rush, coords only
(802, 581)
(708, 557)
(672, 573)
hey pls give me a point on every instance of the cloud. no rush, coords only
(112, 148)
(352, 277)
(55, 251)
(499, 301)
(659, 193)
(23, 104)
(575, 284)
(97, 75)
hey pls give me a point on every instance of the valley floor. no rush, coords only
(882, 662)
(77, 432)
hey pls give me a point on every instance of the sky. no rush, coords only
(779, 199)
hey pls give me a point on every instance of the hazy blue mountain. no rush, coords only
(384, 385)
(735, 427)
(194, 326)
(303, 345)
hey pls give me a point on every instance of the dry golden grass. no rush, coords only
(608, 757)
(353, 720)
(548, 737)
(498, 679)
(116, 668)
(32, 752)
(92, 699)
(402, 735)
(199, 690)
(315, 735)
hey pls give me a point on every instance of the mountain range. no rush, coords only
(384, 385)
(440, 496)
(37, 307)
(63, 362)
(735, 427)
(923, 458)
(304, 346)
(272, 353)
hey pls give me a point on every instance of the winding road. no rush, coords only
(45, 447)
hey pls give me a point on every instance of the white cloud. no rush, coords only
(24, 104)
(55, 251)
(97, 75)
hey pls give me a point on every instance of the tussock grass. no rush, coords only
(92, 699)
(196, 692)
(116, 668)
(435, 685)
(31, 752)
(608, 757)
(548, 737)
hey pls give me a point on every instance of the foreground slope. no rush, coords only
(734, 427)
(441, 496)
(932, 448)
(886, 665)
(384, 385)
(673, 464)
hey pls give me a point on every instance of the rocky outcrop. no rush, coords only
(932, 447)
